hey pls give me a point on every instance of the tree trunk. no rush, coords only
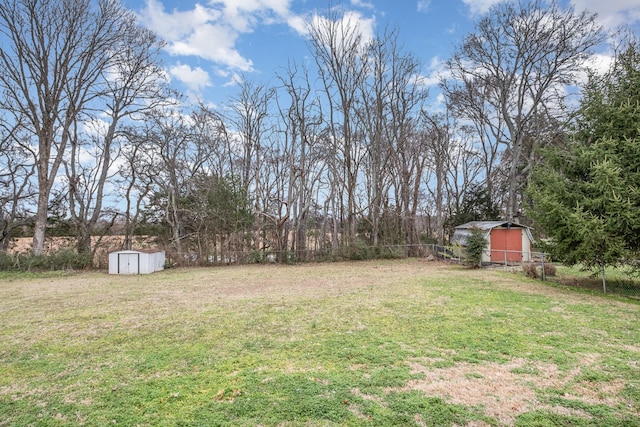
(40, 226)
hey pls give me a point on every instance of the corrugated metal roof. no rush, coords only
(488, 225)
(461, 235)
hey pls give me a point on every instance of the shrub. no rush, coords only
(390, 253)
(36, 263)
(358, 251)
(64, 259)
(68, 259)
(530, 270)
(257, 257)
(475, 245)
(549, 270)
(7, 262)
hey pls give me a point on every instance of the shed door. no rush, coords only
(506, 245)
(128, 263)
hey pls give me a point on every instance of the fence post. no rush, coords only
(544, 277)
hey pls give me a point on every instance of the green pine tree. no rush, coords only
(476, 243)
(586, 196)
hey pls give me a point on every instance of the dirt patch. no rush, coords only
(509, 389)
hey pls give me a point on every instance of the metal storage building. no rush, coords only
(508, 242)
(136, 262)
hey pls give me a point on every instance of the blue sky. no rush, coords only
(212, 44)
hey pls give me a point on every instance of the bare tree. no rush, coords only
(213, 132)
(134, 178)
(464, 169)
(337, 45)
(16, 182)
(301, 119)
(515, 67)
(473, 116)
(436, 133)
(171, 157)
(132, 83)
(53, 56)
(374, 112)
(247, 119)
(405, 98)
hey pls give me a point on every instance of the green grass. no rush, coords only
(611, 273)
(619, 280)
(351, 344)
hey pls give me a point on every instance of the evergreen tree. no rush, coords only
(586, 196)
(477, 205)
(476, 243)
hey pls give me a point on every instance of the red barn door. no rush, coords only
(506, 244)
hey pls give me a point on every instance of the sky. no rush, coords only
(212, 45)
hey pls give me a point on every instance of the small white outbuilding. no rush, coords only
(136, 262)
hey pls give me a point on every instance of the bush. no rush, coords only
(64, 259)
(530, 270)
(68, 259)
(358, 251)
(36, 263)
(256, 257)
(7, 262)
(549, 270)
(390, 253)
(475, 246)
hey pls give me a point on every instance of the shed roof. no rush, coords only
(488, 225)
(138, 251)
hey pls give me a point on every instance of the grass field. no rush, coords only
(386, 343)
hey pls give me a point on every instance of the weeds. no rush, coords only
(63, 259)
(530, 270)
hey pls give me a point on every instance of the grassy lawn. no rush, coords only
(620, 281)
(384, 343)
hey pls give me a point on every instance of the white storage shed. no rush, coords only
(136, 262)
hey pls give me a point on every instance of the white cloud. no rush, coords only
(195, 79)
(177, 24)
(437, 71)
(423, 6)
(362, 4)
(299, 24)
(211, 32)
(612, 13)
(480, 7)
(601, 63)
(365, 27)
(350, 19)
(234, 79)
(244, 15)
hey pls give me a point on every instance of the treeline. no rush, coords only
(334, 154)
